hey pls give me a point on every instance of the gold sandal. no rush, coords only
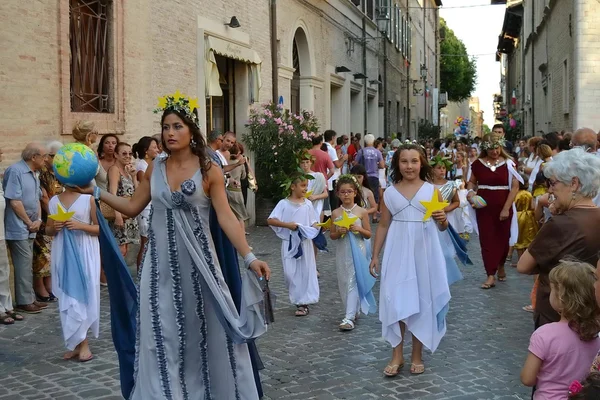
(417, 369)
(394, 369)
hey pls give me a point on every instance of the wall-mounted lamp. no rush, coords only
(360, 75)
(341, 68)
(234, 23)
(423, 71)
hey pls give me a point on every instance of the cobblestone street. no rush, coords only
(309, 358)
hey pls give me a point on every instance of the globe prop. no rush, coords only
(75, 164)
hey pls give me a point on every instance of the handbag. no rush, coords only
(252, 184)
(109, 213)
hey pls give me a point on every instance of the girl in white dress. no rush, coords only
(353, 253)
(414, 292)
(295, 223)
(317, 185)
(79, 305)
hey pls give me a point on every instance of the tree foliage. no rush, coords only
(486, 130)
(458, 72)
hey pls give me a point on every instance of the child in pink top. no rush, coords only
(562, 352)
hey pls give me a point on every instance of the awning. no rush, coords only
(234, 51)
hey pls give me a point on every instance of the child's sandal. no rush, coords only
(347, 325)
(417, 369)
(302, 311)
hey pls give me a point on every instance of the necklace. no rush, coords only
(348, 210)
(490, 166)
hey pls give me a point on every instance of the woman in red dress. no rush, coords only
(494, 178)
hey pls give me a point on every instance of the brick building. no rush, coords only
(109, 60)
(551, 60)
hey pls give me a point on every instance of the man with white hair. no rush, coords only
(22, 220)
(372, 160)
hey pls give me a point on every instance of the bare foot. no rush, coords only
(85, 356)
(71, 354)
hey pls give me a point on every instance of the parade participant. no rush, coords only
(494, 178)
(294, 221)
(185, 303)
(573, 180)
(78, 300)
(414, 286)
(528, 227)
(561, 352)
(145, 150)
(316, 186)
(588, 389)
(367, 196)
(353, 253)
(452, 245)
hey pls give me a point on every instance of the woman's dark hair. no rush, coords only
(199, 149)
(360, 169)
(234, 150)
(350, 180)
(426, 173)
(101, 144)
(141, 148)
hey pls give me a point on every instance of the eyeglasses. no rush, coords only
(51, 155)
(346, 192)
(551, 183)
(126, 154)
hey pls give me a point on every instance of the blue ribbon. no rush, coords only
(73, 281)
(364, 280)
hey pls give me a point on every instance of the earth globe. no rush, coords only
(75, 164)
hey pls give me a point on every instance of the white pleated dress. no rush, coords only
(77, 318)
(414, 284)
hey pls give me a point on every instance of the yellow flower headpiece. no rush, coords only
(179, 102)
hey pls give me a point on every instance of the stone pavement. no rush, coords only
(309, 358)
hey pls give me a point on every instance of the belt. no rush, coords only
(234, 189)
(487, 187)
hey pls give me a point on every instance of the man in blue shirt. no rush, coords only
(22, 220)
(372, 159)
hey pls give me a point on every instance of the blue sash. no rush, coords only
(73, 281)
(364, 280)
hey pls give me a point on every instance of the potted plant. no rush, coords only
(276, 137)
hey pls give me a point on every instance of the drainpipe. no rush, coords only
(425, 61)
(365, 80)
(532, 70)
(274, 66)
(386, 127)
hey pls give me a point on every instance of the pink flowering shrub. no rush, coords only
(277, 137)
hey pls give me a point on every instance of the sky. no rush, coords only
(478, 28)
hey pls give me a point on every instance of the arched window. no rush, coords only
(295, 92)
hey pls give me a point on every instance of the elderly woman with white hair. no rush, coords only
(42, 283)
(573, 181)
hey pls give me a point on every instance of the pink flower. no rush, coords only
(304, 135)
(280, 106)
(280, 131)
(278, 121)
(575, 387)
(268, 113)
(262, 121)
(290, 127)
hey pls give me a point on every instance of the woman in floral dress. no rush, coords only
(42, 283)
(122, 182)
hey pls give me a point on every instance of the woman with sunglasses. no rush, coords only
(573, 182)
(122, 182)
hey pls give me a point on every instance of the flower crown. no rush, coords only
(348, 177)
(408, 143)
(501, 142)
(179, 102)
(439, 160)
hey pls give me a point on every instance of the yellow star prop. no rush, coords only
(162, 102)
(433, 205)
(193, 104)
(62, 215)
(177, 96)
(326, 224)
(346, 221)
(308, 194)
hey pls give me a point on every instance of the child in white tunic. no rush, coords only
(317, 185)
(414, 291)
(353, 253)
(76, 316)
(294, 221)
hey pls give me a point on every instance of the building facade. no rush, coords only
(109, 60)
(550, 63)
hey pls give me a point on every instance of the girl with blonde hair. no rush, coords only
(561, 352)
